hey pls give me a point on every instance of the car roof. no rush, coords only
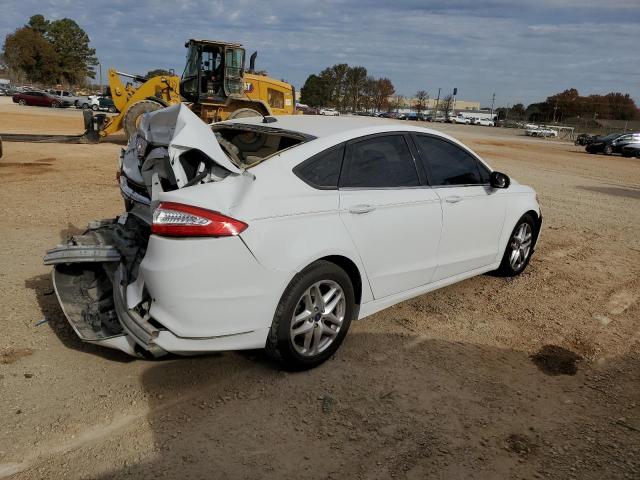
(320, 126)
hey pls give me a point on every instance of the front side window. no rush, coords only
(322, 170)
(448, 164)
(276, 98)
(379, 162)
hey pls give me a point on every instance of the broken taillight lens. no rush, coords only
(179, 220)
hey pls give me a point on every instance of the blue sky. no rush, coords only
(523, 50)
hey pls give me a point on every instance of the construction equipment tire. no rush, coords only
(244, 113)
(135, 112)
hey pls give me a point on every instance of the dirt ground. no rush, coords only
(534, 377)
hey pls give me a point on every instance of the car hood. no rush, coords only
(180, 130)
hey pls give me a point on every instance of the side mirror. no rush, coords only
(499, 180)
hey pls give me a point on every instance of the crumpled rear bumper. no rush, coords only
(176, 303)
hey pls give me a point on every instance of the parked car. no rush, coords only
(75, 100)
(460, 119)
(416, 117)
(393, 115)
(541, 132)
(332, 112)
(41, 99)
(613, 143)
(485, 122)
(631, 150)
(99, 102)
(198, 263)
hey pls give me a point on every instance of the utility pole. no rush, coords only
(100, 68)
(437, 105)
(493, 99)
(453, 109)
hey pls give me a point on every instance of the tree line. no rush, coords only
(347, 88)
(50, 52)
(570, 104)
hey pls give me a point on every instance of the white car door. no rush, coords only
(473, 212)
(393, 218)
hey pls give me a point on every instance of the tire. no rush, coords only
(244, 113)
(522, 240)
(95, 108)
(85, 105)
(22, 102)
(55, 104)
(305, 350)
(111, 109)
(76, 104)
(135, 112)
(607, 150)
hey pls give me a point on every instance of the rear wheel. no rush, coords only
(608, 150)
(134, 114)
(519, 249)
(312, 318)
(22, 102)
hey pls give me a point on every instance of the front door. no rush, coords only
(394, 220)
(473, 213)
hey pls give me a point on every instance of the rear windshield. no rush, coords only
(249, 145)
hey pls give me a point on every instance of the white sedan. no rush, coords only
(331, 112)
(276, 233)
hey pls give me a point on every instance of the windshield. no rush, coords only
(611, 136)
(234, 63)
(189, 84)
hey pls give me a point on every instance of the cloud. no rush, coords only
(522, 51)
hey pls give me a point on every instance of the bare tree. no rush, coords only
(397, 103)
(446, 105)
(420, 104)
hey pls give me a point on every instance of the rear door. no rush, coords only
(393, 218)
(473, 212)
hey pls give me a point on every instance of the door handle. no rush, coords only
(453, 199)
(360, 209)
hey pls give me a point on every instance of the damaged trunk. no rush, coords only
(96, 275)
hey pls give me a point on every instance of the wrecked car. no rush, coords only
(277, 233)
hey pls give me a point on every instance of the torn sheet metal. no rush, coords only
(181, 130)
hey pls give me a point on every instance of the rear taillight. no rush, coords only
(179, 220)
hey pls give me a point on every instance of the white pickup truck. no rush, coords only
(77, 101)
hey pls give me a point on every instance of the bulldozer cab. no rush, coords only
(213, 72)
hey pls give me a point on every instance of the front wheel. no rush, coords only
(55, 104)
(519, 249)
(95, 108)
(608, 150)
(312, 318)
(22, 102)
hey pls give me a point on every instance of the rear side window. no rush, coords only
(449, 164)
(379, 162)
(322, 170)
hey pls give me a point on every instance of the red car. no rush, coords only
(40, 99)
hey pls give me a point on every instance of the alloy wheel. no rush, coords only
(520, 244)
(317, 318)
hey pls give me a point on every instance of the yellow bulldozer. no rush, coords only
(214, 82)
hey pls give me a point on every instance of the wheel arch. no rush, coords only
(538, 224)
(352, 271)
